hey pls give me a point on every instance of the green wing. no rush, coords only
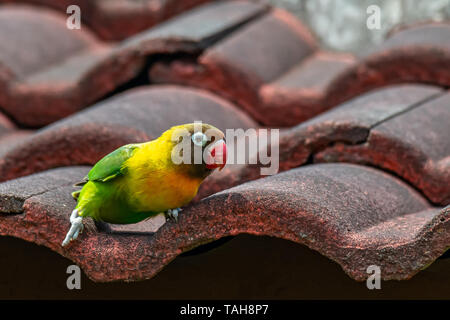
(111, 165)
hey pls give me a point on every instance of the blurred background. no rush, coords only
(340, 25)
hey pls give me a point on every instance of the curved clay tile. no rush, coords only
(301, 93)
(32, 87)
(6, 125)
(138, 115)
(48, 71)
(12, 138)
(412, 54)
(415, 145)
(354, 215)
(238, 66)
(309, 83)
(10, 135)
(403, 129)
(119, 19)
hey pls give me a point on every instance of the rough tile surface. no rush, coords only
(119, 19)
(314, 81)
(137, 115)
(380, 221)
(48, 72)
(394, 128)
(363, 155)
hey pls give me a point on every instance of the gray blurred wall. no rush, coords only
(341, 24)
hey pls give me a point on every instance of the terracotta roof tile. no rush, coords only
(426, 34)
(201, 26)
(394, 128)
(138, 115)
(48, 71)
(277, 43)
(9, 134)
(415, 145)
(387, 208)
(6, 125)
(41, 44)
(257, 53)
(415, 54)
(16, 192)
(380, 221)
(301, 93)
(309, 83)
(26, 53)
(11, 139)
(279, 83)
(119, 19)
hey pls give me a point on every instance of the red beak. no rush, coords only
(217, 156)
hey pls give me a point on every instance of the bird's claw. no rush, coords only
(75, 229)
(172, 214)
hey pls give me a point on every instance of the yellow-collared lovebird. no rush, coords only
(137, 181)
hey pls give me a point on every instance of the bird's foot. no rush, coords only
(75, 228)
(172, 214)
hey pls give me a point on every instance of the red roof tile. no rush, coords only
(380, 221)
(119, 19)
(138, 115)
(48, 71)
(301, 93)
(34, 89)
(403, 129)
(414, 144)
(302, 85)
(256, 54)
(11, 139)
(414, 54)
(26, 53)
(271, 55)
(5, 125)
(266, 62)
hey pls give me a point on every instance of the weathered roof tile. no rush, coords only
(48, 71)
(6, 125)
(16, 192)
(11, 138)
(301, 93)
(307, 84)
(119, 19)
(138, 115)
(380, 221)
(266, 62)
(201, 26)
(402, 128)
(415, 54)
(255, 54)
(415, 145)
(28, 51)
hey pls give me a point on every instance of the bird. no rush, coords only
(141, 180)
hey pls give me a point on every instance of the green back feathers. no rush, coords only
(111, 165)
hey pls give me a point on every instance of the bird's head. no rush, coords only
(198, 148)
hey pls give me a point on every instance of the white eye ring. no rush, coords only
(199, 139)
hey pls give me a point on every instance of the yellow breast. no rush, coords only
(154, 183)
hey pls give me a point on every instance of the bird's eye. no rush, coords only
(199, 139)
